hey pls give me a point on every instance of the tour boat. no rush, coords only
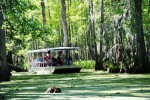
(54, 60)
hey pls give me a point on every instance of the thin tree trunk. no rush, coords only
(149, 30)
(69, 24)
(44, 19)
(43, 12)
(64, 23)
(61, 38)
(149, 7)
(89, 42)
(49, 14)
(141, 61)
(89, 37)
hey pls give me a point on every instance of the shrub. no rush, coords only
(86, 64)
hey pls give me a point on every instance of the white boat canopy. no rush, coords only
(51, 49)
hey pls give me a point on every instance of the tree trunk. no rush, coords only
(43, 13)
(149, 7)
(4, 73)
(89, 35)
(49, 14)
(99, 65)
(44, 18)
(89, 41)
(69, 23)
(141, 60)
(148, 28)
(64, 23)
(61, 37)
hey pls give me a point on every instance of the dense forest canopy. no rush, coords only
(107, 31)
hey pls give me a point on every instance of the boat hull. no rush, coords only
(55, 69)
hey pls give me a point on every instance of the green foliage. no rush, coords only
(111, 65)
(86, 64)
(25, 28)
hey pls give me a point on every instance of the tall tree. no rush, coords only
(141, 61)
(100, 65)
(4, 73)
(94, 45)
(64, 23)
(89, 31)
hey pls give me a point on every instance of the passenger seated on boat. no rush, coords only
(48, 58)
(40, 60)
(54, 61)
(60, 58)
(59, 61)
(69, 61)
(31, 61)
(66, 61)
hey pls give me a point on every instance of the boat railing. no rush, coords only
(39, 64)
(48, 64)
